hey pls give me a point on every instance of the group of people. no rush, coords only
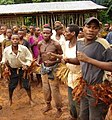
(86, 55)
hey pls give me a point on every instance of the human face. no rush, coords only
(90, 31)
(106, 27)
(37, 31)
(60, 31)
(15, 40)
(3, 29)
(47, 33)
(15, 29)
(81, 34)
(32, 29)
(21, 34)
(9, 33)
(68, 35)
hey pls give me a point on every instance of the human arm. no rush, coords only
(102, 65)
(4, 56)
(64, 59)
(27, 58)
(74, 61)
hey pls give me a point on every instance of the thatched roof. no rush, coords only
(29, 8)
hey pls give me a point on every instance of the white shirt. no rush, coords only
(75, 70)
(2, 37)
(61, 41)
(23, 57)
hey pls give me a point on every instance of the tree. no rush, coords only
(4, 2)
(22, 1)
(106, 15)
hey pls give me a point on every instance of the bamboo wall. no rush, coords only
(11, 20)
(41, 19)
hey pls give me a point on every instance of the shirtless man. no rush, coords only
(49, 65)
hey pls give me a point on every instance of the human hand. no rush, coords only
(82, 56)
(65, 60)
(6, 68)
(24, 67)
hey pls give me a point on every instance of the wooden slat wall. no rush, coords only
(41, 19)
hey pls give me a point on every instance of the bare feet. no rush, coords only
(47, 108)
(10, 102)
(0, 107)
(58, 113)
(32, 103)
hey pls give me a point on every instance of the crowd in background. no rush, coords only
(34, 39)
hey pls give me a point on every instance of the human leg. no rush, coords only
(27, 87)
(12, 84)
(97, 112)
(72, 104)
(47, 92)
(54, 84)
(84, 108)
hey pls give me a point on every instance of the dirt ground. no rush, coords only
(21, 110)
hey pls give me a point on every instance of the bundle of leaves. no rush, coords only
(102, 92)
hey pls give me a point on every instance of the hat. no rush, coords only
(88, 20)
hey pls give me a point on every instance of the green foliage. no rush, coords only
(22, 1)
(106, 15)
(5, 2)
(103, 17)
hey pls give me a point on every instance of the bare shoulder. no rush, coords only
(55, 43)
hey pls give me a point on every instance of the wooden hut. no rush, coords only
(48, 12)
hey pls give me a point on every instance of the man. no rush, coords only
(71, 34)
(58, 36)
(15, 29)
(7, 41)
(94, 56)
(17, 57)
(33, 41)
(22, 41)
(49, 65)
(105, 31)
(2, 38)
(109, 37)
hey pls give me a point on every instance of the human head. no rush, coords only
(59, 29)
(47, 32)
(32, 29)
(92, 19)
(91, 28)
(37, 31)
(24, 28)
(15, 40)
(9, 33)
(21, 33)
(3, 29)
(106, 26)
(57, 23)
(71, 31)
(15, 29)
(81, 34)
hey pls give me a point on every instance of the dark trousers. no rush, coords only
(90, 111)
(16, 75)
(72, 104)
